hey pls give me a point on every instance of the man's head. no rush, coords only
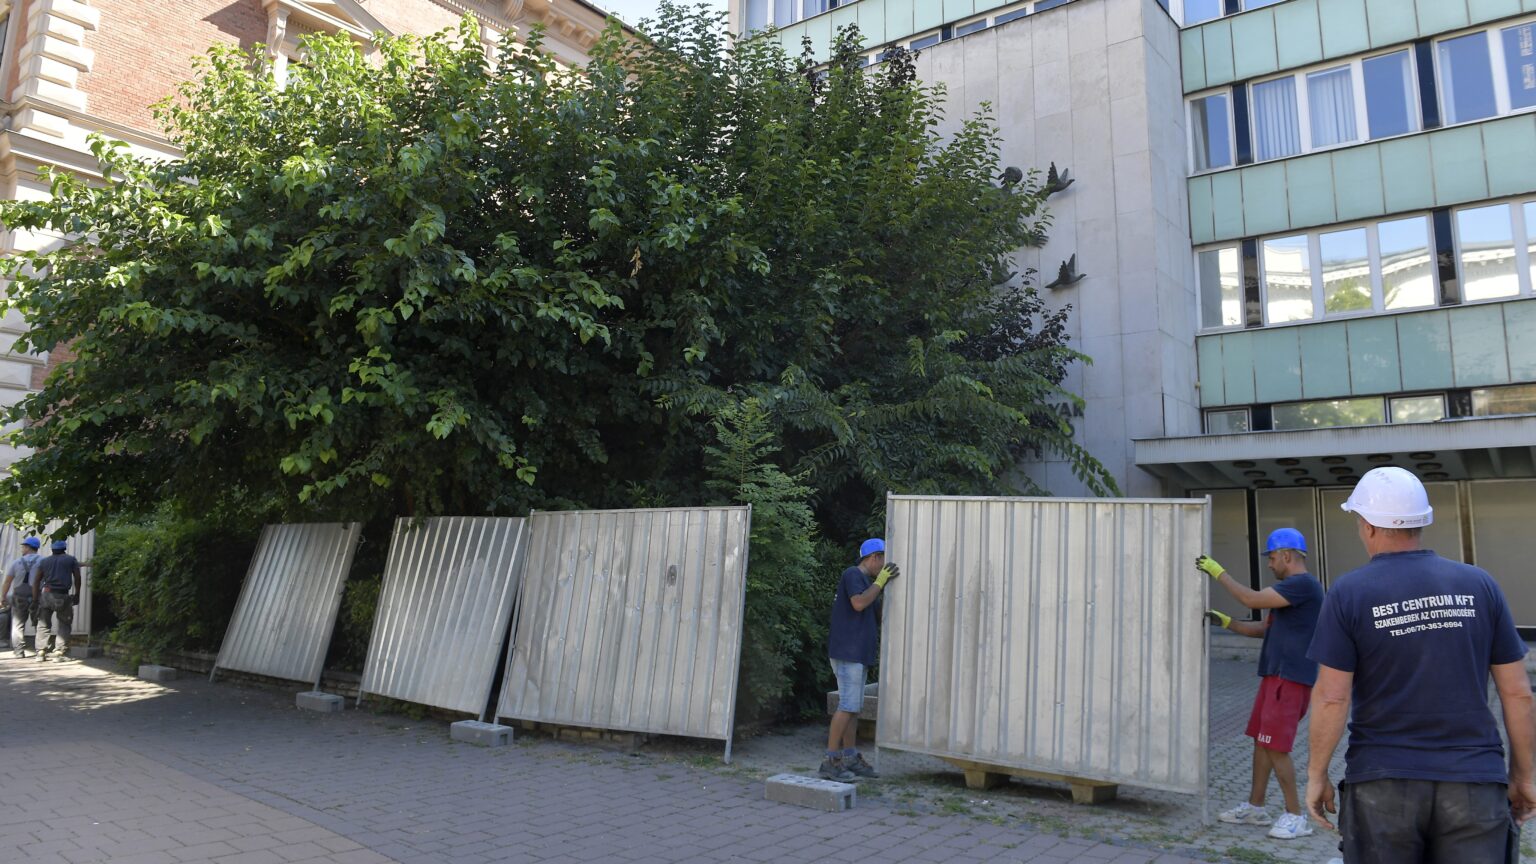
(1392, 508)
(31, 544)
(872, 555)
(1287, 552)
(59, 546)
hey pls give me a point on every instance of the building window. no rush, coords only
(1406, 264)
(1276, 132)
(1346, 266)
(1520, 65)
(757, 15)
(1331, 107)
(1332, 412)
(1486, 253)
(1210, 123)
(1221, 287)
(1227, 422)
(1418, 409)
(784, 12)
(1391, 103)
(926, 41)
(1466, 78)
(971, 27)
(1287, 274)
(1196, 11)
(1499, 401)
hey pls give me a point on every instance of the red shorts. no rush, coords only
(1277, 711)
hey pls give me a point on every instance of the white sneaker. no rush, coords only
(1290, 826)
(1246, 814)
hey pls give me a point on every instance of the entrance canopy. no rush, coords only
(1472, 448)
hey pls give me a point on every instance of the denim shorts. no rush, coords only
(850, 685)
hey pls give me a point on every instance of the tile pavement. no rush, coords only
(141, 773)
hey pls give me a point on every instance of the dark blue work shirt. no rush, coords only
(854, 636)
(57, 572)
(1419, 633)
(1290, 630)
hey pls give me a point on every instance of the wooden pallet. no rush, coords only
(982, 776)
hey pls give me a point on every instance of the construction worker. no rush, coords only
(1285, 674)
(1408, 641)
(853, 646)
(55, 591)
(16, 593)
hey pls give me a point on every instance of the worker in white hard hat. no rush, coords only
(1408, 641)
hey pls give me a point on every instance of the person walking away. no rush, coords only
(853, 646)
(1286, 675)
(56, 590)
(16, 593)
(1406, 644)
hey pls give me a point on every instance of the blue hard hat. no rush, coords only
(870, 547)
(1285, 538)
(59, 546)
(32, 542)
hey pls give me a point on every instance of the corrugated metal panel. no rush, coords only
(443, 612)
(631, 620)
(1055, 635)
(282, 624)
(82, 546)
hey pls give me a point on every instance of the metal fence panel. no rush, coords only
(444, 607)
(631, 620)
(82, 546)
(287, 609)
(1054, 635)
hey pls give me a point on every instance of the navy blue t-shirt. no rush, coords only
(854, 636)
(1284, 652)
(1419, 633)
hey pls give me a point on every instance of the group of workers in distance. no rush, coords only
(1401, 649)
(43, 591)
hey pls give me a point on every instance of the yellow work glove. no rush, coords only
(886, 574)
(1207, 565)
(1223, 621)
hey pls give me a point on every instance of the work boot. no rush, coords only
(860, 767)
(832, 768)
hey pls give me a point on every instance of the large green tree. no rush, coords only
(446, 280)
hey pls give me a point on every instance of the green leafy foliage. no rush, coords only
(786, 590)
(446, 280)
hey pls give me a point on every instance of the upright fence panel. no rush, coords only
(82, 546)
(631, 620)
(287, 609)
(444, 607)
(1053, 635)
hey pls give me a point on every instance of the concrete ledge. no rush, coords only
(811, 792)
(483, 734)
(315, 700)
(84, 652)
(158, 674)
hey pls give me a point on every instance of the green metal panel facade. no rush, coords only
(1463, 346)
(1444, 168)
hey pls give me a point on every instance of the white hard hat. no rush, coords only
(1390, 498)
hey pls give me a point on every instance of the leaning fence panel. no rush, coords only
(1050, 635)
(287, 609)
(444, 607)
(82, 546)
(631, 620)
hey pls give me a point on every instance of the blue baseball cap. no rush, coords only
(32, 542)
(872, 546)
(1285, 538)
(59, 546)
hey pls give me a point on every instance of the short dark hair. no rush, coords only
(1403, 532)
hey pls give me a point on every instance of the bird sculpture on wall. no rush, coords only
(1057, 182)
(1011, 176)
(1067, 276)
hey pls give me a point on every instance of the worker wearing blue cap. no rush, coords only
(1286, 675)
(853, 646)
(56, 591)
(16, 593)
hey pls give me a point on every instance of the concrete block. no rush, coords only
(483, 734)
(84, 652)
(315, 700)
(811, 792)
(158, 674)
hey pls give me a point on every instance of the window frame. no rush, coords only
(1195, 254)
(1189, 115)
(1205, 419)
(1493, 36)
(1519, 239)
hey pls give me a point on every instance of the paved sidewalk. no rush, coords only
(107, 768)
